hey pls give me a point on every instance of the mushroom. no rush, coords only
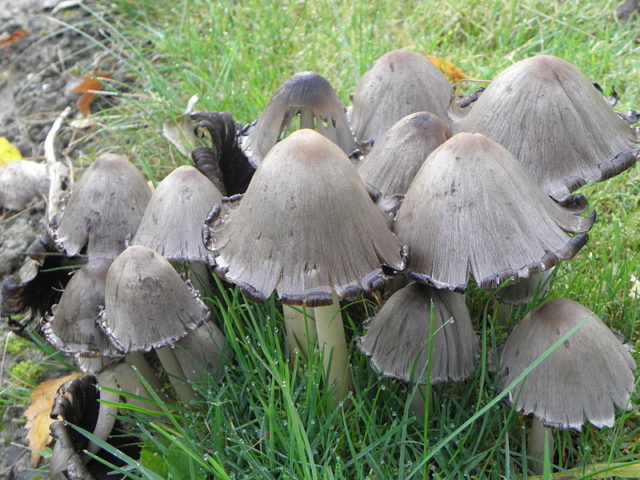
(396, 158)
(583, 379)
(308, 95)
(147, 305)
(398, 337)
(21, 181)
(307, 228)
(172, 222)
(473, 210)
(551, 118)
(104, 209)
(72, 328)
(399, 83)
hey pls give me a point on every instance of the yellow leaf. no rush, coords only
(37, 414)
(8, 153)
(448, 68)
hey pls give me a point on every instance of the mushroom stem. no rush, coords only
(538, 436)
(176, 375)
(137, 360)
(301, 330)
(106, 413)
(419, 402)
(199, 275)
(333, 345)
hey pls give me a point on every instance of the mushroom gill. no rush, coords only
(552, 119)
(473, 210)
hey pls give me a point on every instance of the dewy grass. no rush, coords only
(267, 419)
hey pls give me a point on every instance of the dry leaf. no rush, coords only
(37, 414)
(7, 39)
(179, 131)
(448, 68)
(8, 152)
(597, 470)
(88, 84)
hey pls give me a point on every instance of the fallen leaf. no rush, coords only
(179, 131)
(635, 287)
(7, 39)
(37, 414)
(598, 470)
(86, 87)
(448, 68)
(8, 152)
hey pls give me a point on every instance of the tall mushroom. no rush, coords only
(307, 228)
(584, 379)
(551, 118)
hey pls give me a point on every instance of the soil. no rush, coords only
(37, 73)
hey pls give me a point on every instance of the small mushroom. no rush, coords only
(104, 209)
(551, 118)
(399, 83)
(473, 210)
(398, 338)
(307, 228)
(147, 305)
(22, 181)
(584, 379)
(396, 158)
(308, 95)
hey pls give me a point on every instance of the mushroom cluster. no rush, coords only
(335, 205)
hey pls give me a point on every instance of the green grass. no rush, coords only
(267, 419)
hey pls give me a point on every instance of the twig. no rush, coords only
(54, 168)
(37, 204)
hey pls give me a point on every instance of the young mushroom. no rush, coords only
(399, 153)
(307, 228)
(147, 305)
(584, 379)
(398, 337)
(104, 209)
(473, 210)
(399, 83)
(552, 119)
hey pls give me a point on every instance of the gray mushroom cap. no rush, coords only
(397, 338)
(147, 305)
(473, 210)
(309, 95)
(73, 328)
(551, 118)
(397, 156)
(583, 379)
(399, 83)
(305, 226)
(172, 221)
(105, 208)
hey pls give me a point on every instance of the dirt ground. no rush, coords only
(36, 74)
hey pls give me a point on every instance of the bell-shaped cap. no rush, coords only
(172, 221)
(397, 338)
(104, 209)
(551, 118)
(308, 95)
(306, 226)
(147, 304)
(73, 326)
(583, 379)
(472, 209)
(399, 83)
(399, 153)
(21, 182)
